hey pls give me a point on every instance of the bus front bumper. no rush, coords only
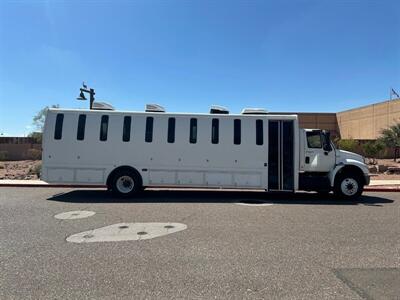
(367, 179)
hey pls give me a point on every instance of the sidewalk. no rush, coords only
(374, 186)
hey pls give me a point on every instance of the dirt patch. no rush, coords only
(22, 169)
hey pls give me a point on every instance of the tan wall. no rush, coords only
(18, 151)
(326, 121)
(366, 123)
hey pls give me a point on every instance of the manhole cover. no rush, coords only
(142, 233)
(123, 226)
(88, 236)
(168, 226)
(71, 215)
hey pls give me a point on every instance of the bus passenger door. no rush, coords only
(280, 155)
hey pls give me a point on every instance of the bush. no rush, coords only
(34, 154)
(372, 149)
(35, 170)
(3, 155)
(348, 145)
(36, 136)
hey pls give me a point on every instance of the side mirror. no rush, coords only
(326, 141)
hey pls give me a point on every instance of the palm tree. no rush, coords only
(391, 138)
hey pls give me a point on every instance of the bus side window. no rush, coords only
(80, 135)
(193, 131)
(259, 132)
(59, 127)
(126, 132)
(237, 131)
(171, 130)
(149, 129)
(215, 131)
(103, 128)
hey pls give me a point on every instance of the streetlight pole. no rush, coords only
(89, 91)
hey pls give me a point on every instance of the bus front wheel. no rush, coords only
(348, 186)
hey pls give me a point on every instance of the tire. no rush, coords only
(348, 186)
(126, 183)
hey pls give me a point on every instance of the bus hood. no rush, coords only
(342, 156)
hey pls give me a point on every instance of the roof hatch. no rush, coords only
(215, 109)
(254, 111)
(154, 108)
(102, 106)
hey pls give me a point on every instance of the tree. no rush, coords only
(36, 136)
(38, 122)
(372, 149)
(38, 119)
(391, 138)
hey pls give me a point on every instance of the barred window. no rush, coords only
(59, 127)
(80, 135)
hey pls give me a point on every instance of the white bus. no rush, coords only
(128, 151)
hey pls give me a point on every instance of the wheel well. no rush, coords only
(123, 168)
(351, 170)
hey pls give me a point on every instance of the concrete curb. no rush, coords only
(391, 188)
(382, 189)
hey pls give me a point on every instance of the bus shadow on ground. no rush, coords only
(184, 196)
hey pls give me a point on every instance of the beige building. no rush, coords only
(367, 122)
(327, 121)
(362, 123)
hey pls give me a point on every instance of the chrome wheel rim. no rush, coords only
(125, 184)
(349, 186)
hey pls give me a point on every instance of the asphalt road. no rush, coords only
(300, 247)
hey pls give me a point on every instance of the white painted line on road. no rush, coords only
(126, 232)
(77, 214)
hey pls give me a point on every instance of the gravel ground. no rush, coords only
(22, 169)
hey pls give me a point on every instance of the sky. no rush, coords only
(305, 56)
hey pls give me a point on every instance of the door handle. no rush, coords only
(307, 159)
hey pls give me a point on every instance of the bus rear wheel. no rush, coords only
(125, 183)
(348, 186)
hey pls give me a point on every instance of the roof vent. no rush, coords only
(102, 106)
(254, 111)
(154, 108)
(215, 109)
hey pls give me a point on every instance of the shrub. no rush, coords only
(36, 136)
(348, 145)
(35, 170)
(372, 149)
(390, 137)
(34, 154)
(3, 155)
